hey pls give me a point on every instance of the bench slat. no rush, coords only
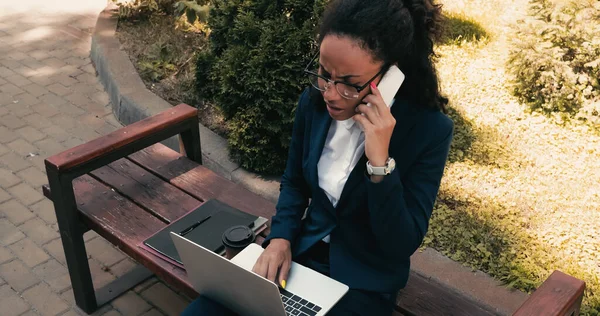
(147, 190)
(125, 225)
(423, 297)
(199, 181)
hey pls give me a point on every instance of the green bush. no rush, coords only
(556, 57)
(253, 73)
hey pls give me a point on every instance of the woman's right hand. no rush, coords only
(277, 257)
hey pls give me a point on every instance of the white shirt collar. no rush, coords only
(348, 123)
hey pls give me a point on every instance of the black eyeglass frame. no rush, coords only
(335, 82)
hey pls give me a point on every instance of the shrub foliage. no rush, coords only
(556, 58)
(253, 73)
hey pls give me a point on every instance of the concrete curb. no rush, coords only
(133, 102)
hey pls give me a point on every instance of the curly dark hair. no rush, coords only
(395, 31)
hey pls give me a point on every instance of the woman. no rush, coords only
(361, 227)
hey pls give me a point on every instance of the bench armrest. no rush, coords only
(560, 294)
(181, 119)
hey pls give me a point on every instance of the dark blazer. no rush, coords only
(375, 227)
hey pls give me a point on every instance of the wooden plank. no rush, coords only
(120, 138)
(560, 294)
(159, 197)
(199, 181)
(423, 297)
(125, 225)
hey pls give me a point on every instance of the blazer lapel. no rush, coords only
(319, 130)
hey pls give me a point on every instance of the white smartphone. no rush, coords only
(390, 84)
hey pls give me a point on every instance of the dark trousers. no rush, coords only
(355, 302)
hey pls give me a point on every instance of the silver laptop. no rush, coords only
(233, 284)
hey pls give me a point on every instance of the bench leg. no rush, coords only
(71, 235)
(191, 143)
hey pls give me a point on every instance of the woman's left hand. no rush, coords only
(378, 125)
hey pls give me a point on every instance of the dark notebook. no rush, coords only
(204, 225)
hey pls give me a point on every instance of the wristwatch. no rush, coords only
(390, 165)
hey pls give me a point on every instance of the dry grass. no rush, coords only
(520, 197)
(163, 50)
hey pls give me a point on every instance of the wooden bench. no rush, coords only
(126, 186)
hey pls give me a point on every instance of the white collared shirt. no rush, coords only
(344, 146)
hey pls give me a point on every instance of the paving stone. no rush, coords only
(165, 299)
(85, 88)
(122, 267)
(10, 64)
(53, 62)
(52, 99)
(26, 99)
(33, 64)
(15, 212)
(106, 129)
(10, 89)
(58, 89)
(70, 110)
(100, 275)
(44, 209)
(5, 255)
(14, 162)
(25, 72)
(30, 253)
(45, 301)
(145, 285)
(5, 72)
(103, 251)
(56, 133)
(16, 55)
(87, 78)
(10, 302)
(33, 176)
(46, 110)
(112, 313)
(39, 54)
(36, 89)
(8, 178)
(36, 120)
(4, 196)
(50, 146)
(17, 109)
(153, 312)
(3, 150)
(9, 233)
(74, 142)
(22, 147)
(54, 274)
(65, 80)
(18, 80)
(31, 312)
(12, 122)
(38, 231)
(130, 304)
(101, 97)
(25, 193)
(7, 135)
(18, 275)
(55, 249)
(64, 120)
(30, 134)
(85, 133)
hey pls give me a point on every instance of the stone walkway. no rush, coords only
(51, 100)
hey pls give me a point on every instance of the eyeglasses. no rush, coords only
(345, 89)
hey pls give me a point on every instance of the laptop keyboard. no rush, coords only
(297, 306)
